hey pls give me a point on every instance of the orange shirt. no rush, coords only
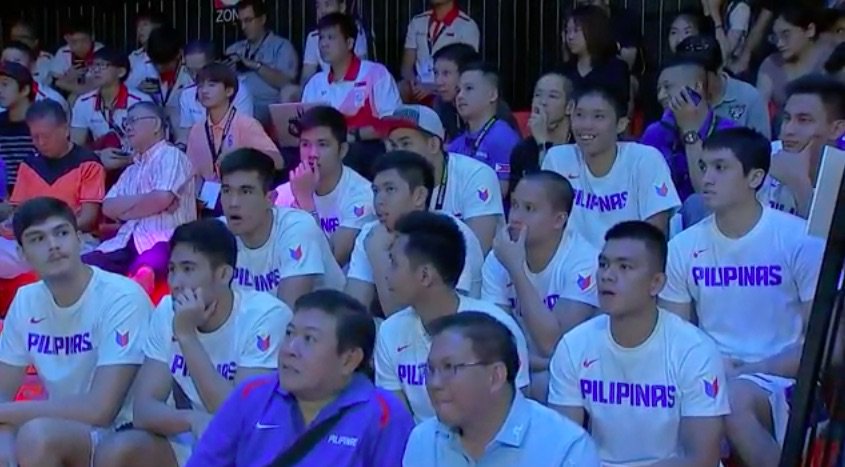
(77, 177)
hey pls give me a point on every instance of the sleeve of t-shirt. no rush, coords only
(411, 36)
(173, 170)
(357, 210)
(579, 284)
(93, 184)
(157, 345)
(386, 95)
(311, 56)
(123, 330)
(494, 280)
(286, 59)
(564, 389)
(676, 289)
(740, 17)
(300, 250)
(655, 190)
(806, 264)
(359, 263)
(386, 376)
(483, 196)
(309, 93)
(701, 383)
(79, 117)
(523, 377)
(12, 346)
(263, 336)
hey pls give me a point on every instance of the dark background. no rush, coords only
(521, 36)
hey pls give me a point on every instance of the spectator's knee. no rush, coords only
(118, 450)
(34, 442)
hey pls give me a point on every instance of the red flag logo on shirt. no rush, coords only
(584, 282)
(483, 194)
(711, 388)
(662, 190)
(296, 253)
(263, 343)
(121, 339)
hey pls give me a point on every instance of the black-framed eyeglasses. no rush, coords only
(130, 122)
(449, 370)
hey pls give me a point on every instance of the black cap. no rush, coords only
(702, 49)
(17, 72)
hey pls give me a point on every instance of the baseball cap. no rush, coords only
(702, 49)
(414, 117)
(17, 72)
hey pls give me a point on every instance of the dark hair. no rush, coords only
(250, 160)
(219, 73)
(436, 239)
(344, 22)
(752, 149)
(258, 7)
(46, 108)
(695, 18)
(27, 24)
(597, 30)
(683, 60)
(613, 96)
(412, 167)
(557, 187)
(802, 17)
(37, 211)
(18, 45)
(209, 237)
(164, 45)
(323, 116)
(78, 25)
(459, 53)
(153, 16)
(488, 72)
(568, 86)
(652, 237)
(836, 62)
(703, 50)
(492, 341)
(114, 58)
(830, 91)
(207, 48)
(354, 325)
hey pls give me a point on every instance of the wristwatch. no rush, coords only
(690, 137)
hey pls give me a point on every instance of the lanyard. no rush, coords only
(217, 150)
(476, 143)
(249, 53)
(109, 118)
(435, 30)
(165, 98)
(444, 179)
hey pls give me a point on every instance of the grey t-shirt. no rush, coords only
(273, 51)
(743, 104)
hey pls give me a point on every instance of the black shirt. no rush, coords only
(612, 73)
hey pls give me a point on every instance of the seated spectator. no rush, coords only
(70, 65)
(686, 24)
(624, 32)
(266, 62)
(613, 181)
(540, 272)
(23, 31)
(312, 61)
(487, 138)
(633, 346)
(688, 119)
(206, 339)
(153, 196)
(198, 54)
(338, 198)
(226, 128)
(835, 65)
(746, 254)
(444, 24)
(99, 116)
(813, 119)
(481, 417)
(361, 90)
(20, 53)
(145, 22)
(548, 123)
(17, 93)
(403, 184)
(466, 188)
(281, 251)
(322, 384)
(834, 32)
(81, 328)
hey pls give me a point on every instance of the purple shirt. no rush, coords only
(260, 420)
(494, 148)
(664, 136)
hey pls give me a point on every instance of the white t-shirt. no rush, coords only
(468, 282)
(312, 48)
(637, 187)
(192, 111)
(775, 194)
(748, 291)
(63, 60)
(402, 347)
(349, 205)
(296, 247)
(89, 111)
(636, 397)
(426, 38)
(43, 65)
(250, 338)
(66, 345)
(472, 189)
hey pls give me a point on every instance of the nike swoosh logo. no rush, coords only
(261, 426)
(36, 321)
(589, 363)
(402, 347)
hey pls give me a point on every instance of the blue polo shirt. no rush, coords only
(260, 420)
(492, 147)
(532, 435)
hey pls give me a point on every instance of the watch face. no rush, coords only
(690, 137)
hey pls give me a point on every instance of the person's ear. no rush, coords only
(272, 195)
(756, 177)
(419, 196)
(622, 125)
(498, 376)
(344, 149)
(350, 360)
(657, 283)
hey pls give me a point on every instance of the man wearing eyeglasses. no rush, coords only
(154, 195)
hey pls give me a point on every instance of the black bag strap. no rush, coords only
(302, 446)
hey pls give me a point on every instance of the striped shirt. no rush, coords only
(15, 146)
(163, 167)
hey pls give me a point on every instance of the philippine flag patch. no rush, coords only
(483, 194)
(711, 388)
(263, 343)
(584, 282)
(358, 211)
(662, 190)
(121, 339)
(296, 253)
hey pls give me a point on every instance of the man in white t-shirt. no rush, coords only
(613, 181)
(466, 188)
(312, 61)
(81, 328)
(403, 184)
(146, 21)
(340, 199)
(280, 250)
(19, 52)
(651, 383)
(748, 273)
(426, 258)
(205, 338)
(538, 266)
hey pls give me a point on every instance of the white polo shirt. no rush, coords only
(192, 111)
(636, 397)
(64, 59)
(43, 64)
(138, 58)
(402, 347)
(365, 94)
(349, 205)
(637, 187)
(90, 113)
(250, 338)
(426, 36)
(472, 189)
(170, 90)
(66, 345)
(312, 48)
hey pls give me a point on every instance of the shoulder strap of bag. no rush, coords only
(302, 446)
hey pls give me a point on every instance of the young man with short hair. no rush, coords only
(652, 385)
(466, 188)
(486, 138)
(426, 259)
(540, 271)
(281, 251)
(749, 274)
(613, 181)
(312, 61)
(17, 93)
(81, 328)
(206, 338)
(19, 52)
(70, 65)
(24, 32)
(146, 21)
(340, 199)
(403, 183)
(471, 380)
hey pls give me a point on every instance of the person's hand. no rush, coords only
(688, 115)
(251, 64)
(303, 183)
(712, 8)
(420, 91)
(189, 312)
(113, 159)
(538, 123)
(510, 252)
(199, 422)
(791, 168)
(379, 239)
